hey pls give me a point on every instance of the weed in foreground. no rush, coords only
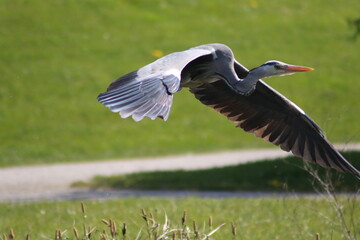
(154, 230)
(327, 189)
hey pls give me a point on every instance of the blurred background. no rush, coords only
(56, 56)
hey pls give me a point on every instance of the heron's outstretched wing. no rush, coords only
(269, 115)
(148, 92)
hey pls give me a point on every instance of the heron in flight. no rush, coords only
(216, 79)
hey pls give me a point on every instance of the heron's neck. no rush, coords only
(248, 84)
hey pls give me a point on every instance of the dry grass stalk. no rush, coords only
(58, 234)
(27, 237)
(212, 232)
(327, 186)
(317, 236)
(196, 231)
(152, 216)
(76, 233)
(156, 230)
(183, 219)
(89, 231)
(107, 223)
(12, 234)
(233, 229)
(124, 229)
(113, 229)
(83, 210)
(143, 212)
(103, 236)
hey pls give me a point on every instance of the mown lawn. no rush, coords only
(268, 218)
(281, 175)
(56, 56)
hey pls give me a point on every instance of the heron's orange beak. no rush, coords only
(294, 68)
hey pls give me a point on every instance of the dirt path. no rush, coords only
(52, 182)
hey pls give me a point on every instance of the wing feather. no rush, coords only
(146, 98)
(271, 116)
(148, 91)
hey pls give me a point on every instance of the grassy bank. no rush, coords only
(282, 175)
(271, 218)
(56, 56)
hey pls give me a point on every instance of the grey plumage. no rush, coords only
(148, 92)
(215, 78)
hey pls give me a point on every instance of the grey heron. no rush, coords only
(216, 79)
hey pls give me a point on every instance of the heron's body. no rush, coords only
(215, 78)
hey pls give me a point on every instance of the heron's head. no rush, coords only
(277, 68)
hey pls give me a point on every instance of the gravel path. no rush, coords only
(52, 182)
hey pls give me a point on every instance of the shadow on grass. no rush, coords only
(285, 174)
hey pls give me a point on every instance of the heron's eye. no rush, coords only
(277, 66)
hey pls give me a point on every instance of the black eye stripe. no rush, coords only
(276, 64)
(271, 63)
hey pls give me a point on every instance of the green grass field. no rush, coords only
(282, 175)
(56, 56)
(268, 218)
